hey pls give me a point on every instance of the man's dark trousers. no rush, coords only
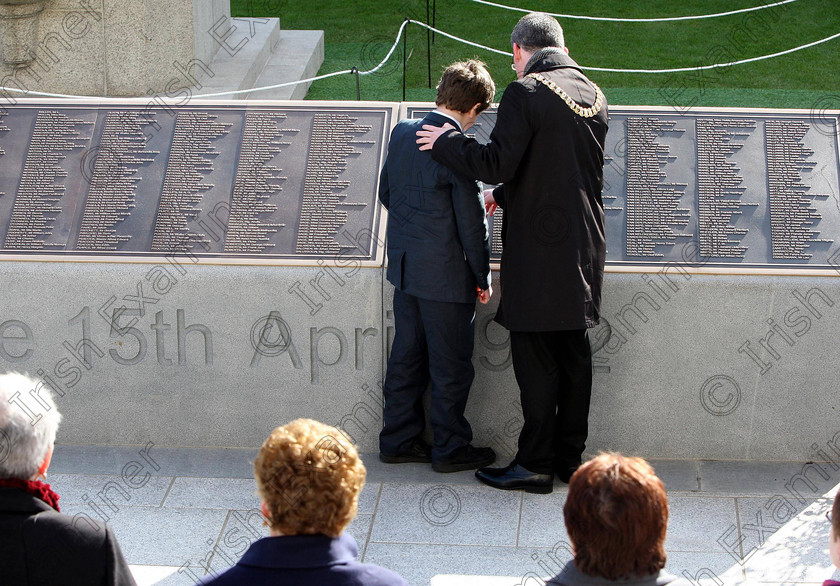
(432, 340)
(554, 374)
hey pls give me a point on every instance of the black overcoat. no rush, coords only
(40, 546)
(549, 160)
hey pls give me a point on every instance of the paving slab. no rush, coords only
(448, 529)
(421, 565)
(444, 514)
(541, 521)
(149, 575)
(766, 478)
(681, 475)
(80, 489)
(156, 536)
(696, 522)
(201, 462)
(213, 493)
(369, 497)
(700, 568)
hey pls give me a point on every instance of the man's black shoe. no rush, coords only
(515, 477)
(466, 458)
(420, 451)
(564, 471)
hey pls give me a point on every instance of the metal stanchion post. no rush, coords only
(428, 45)
(434, 18)
(405, 54)
(358, 86)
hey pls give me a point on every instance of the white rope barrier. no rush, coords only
(716, 65)
(460, 40)
(610, 19)
(445, 34)
(213, 95)
(275, 86)
(672, 70)
(391, 52)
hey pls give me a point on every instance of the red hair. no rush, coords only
(616, 516)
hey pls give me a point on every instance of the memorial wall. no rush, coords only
(119, 223)
(745, 189)
(131, 181)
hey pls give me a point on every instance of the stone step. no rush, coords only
(298, 55)
(247, 47)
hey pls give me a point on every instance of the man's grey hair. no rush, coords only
(23, 445)
(537, 30)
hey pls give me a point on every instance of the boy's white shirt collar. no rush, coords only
(457, 124)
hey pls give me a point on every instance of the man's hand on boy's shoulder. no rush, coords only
(430, 134)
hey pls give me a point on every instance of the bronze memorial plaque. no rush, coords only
(727, 188)
(235, 182)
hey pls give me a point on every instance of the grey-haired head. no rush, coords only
(537, 30)
(25, 446)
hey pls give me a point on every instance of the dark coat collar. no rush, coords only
(300, 551)
(19, 501)
(550, 58)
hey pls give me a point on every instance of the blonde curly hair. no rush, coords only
(310, 477)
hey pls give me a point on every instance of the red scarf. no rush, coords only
(36, 488)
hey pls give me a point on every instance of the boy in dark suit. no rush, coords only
(438, 261)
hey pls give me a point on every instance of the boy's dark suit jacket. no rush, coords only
(438, 242)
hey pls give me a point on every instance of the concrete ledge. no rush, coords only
(238, 64)
(299, 55)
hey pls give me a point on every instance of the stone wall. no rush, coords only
(219, 355)
(121, 47)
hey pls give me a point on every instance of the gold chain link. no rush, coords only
(576, 108)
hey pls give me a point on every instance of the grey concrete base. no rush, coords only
(216, 356)
(249, 355)
(674, 378)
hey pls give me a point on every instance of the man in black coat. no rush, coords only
(41, 546)
(438, 261)
(547, 152)
(38, 544)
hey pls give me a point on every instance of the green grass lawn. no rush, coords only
(359, 33)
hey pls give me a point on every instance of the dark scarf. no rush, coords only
(36, 488)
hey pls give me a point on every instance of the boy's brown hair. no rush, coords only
(465, 84)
